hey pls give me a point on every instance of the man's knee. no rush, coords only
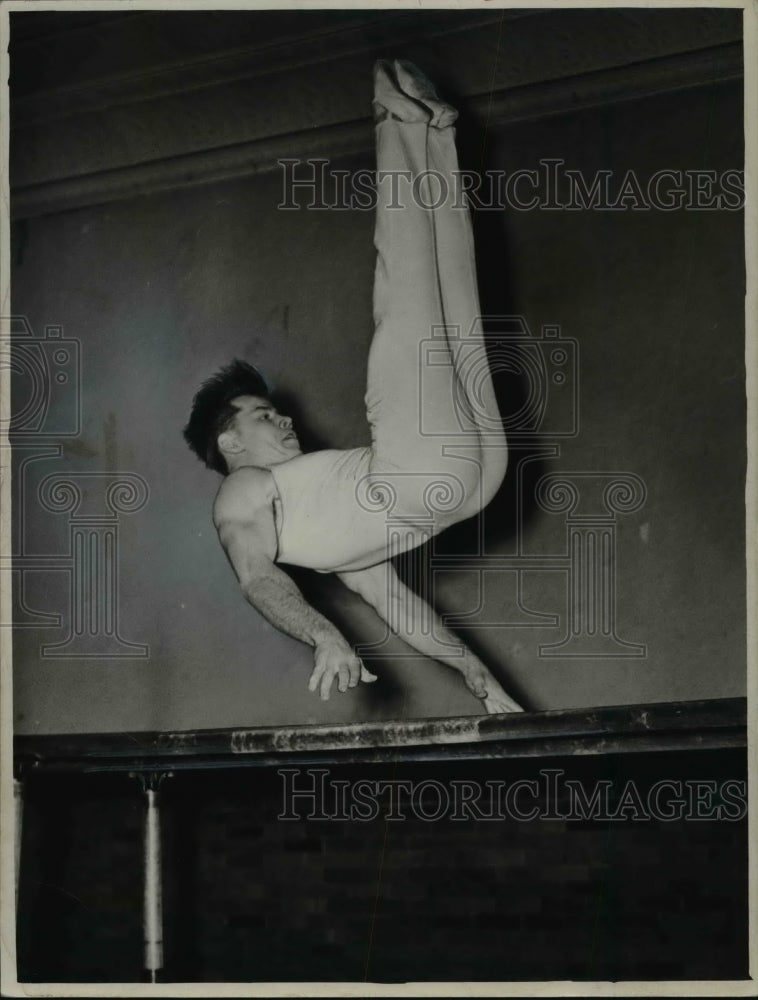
(463, 486)
(494, 467)
(484, 478)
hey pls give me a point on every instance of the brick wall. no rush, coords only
(252, 898)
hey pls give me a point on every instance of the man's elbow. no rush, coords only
(255, 585)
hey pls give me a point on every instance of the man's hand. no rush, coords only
(335, 658)
(244, 518)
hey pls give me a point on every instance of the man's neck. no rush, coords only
(244, 462)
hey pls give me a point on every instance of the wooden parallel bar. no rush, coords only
(691, 725)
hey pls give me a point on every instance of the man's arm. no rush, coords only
(416, 622)
(245, 522)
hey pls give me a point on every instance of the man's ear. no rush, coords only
(229, 443)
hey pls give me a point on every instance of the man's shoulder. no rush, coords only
(243, 493)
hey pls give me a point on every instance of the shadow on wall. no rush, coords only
(514, 502)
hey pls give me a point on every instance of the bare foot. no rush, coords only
(496, 704)
(481, 683)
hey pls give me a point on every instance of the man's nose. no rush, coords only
(285, 422)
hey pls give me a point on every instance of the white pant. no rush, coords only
(429, 389)
(438, 451)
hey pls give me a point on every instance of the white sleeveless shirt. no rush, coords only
(321, 522)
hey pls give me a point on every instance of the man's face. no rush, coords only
(260, 434)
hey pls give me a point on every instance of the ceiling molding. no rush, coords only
(719, 64)
(339, 40)
(45, 88)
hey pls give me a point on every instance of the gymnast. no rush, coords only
(324, 510)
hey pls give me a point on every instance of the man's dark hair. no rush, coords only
(213, 413)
